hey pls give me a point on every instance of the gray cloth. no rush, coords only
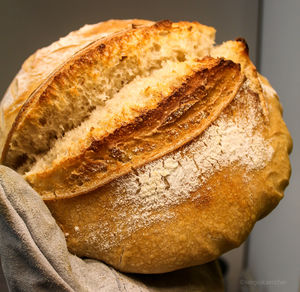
(35, 257)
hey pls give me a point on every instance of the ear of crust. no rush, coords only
(238, 52)
(178, 119)
(61, 91)
(43, 62)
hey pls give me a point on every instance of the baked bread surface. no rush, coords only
(157, 130)
(42, 63)
(177, 180)
(85, 79)
(139, 235)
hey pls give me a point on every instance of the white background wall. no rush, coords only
(275, 241)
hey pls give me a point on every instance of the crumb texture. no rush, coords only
(91, 77)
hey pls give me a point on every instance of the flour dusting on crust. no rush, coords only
(234, 139)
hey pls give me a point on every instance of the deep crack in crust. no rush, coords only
(39, 66)
(44, 99)
(216, 217)
(174, 122)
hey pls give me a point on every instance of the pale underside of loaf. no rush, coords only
(124, 101)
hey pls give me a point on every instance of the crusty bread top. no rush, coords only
(191, 205)
(63, 90)
(156, 130)
(238, 52)
(88, 77)
(44, 61)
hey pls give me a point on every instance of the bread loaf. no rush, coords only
(154, 149)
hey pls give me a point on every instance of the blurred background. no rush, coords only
(270, 260)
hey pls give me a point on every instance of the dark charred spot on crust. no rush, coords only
(123, 58)
(85, 59)
(222, 61)
(190, 28)
(56, 80)
(228, 63)
(42, 121)
(242, 40)
(134, 25)
(101, 47)
(163, 24)
(118, 154)
(231, 64)
(43, 97)
(74, 176)
(95, 146)
(204, 71)
(20, 160)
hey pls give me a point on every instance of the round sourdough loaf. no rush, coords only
(154, 149)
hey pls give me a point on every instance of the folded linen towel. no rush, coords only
(35, 257)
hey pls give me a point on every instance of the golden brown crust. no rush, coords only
(238, 52)
(43, 93)
(42, 63)
(140, 234)
(217, 217)
(176, 120)
(277, 174)
(69, 73)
